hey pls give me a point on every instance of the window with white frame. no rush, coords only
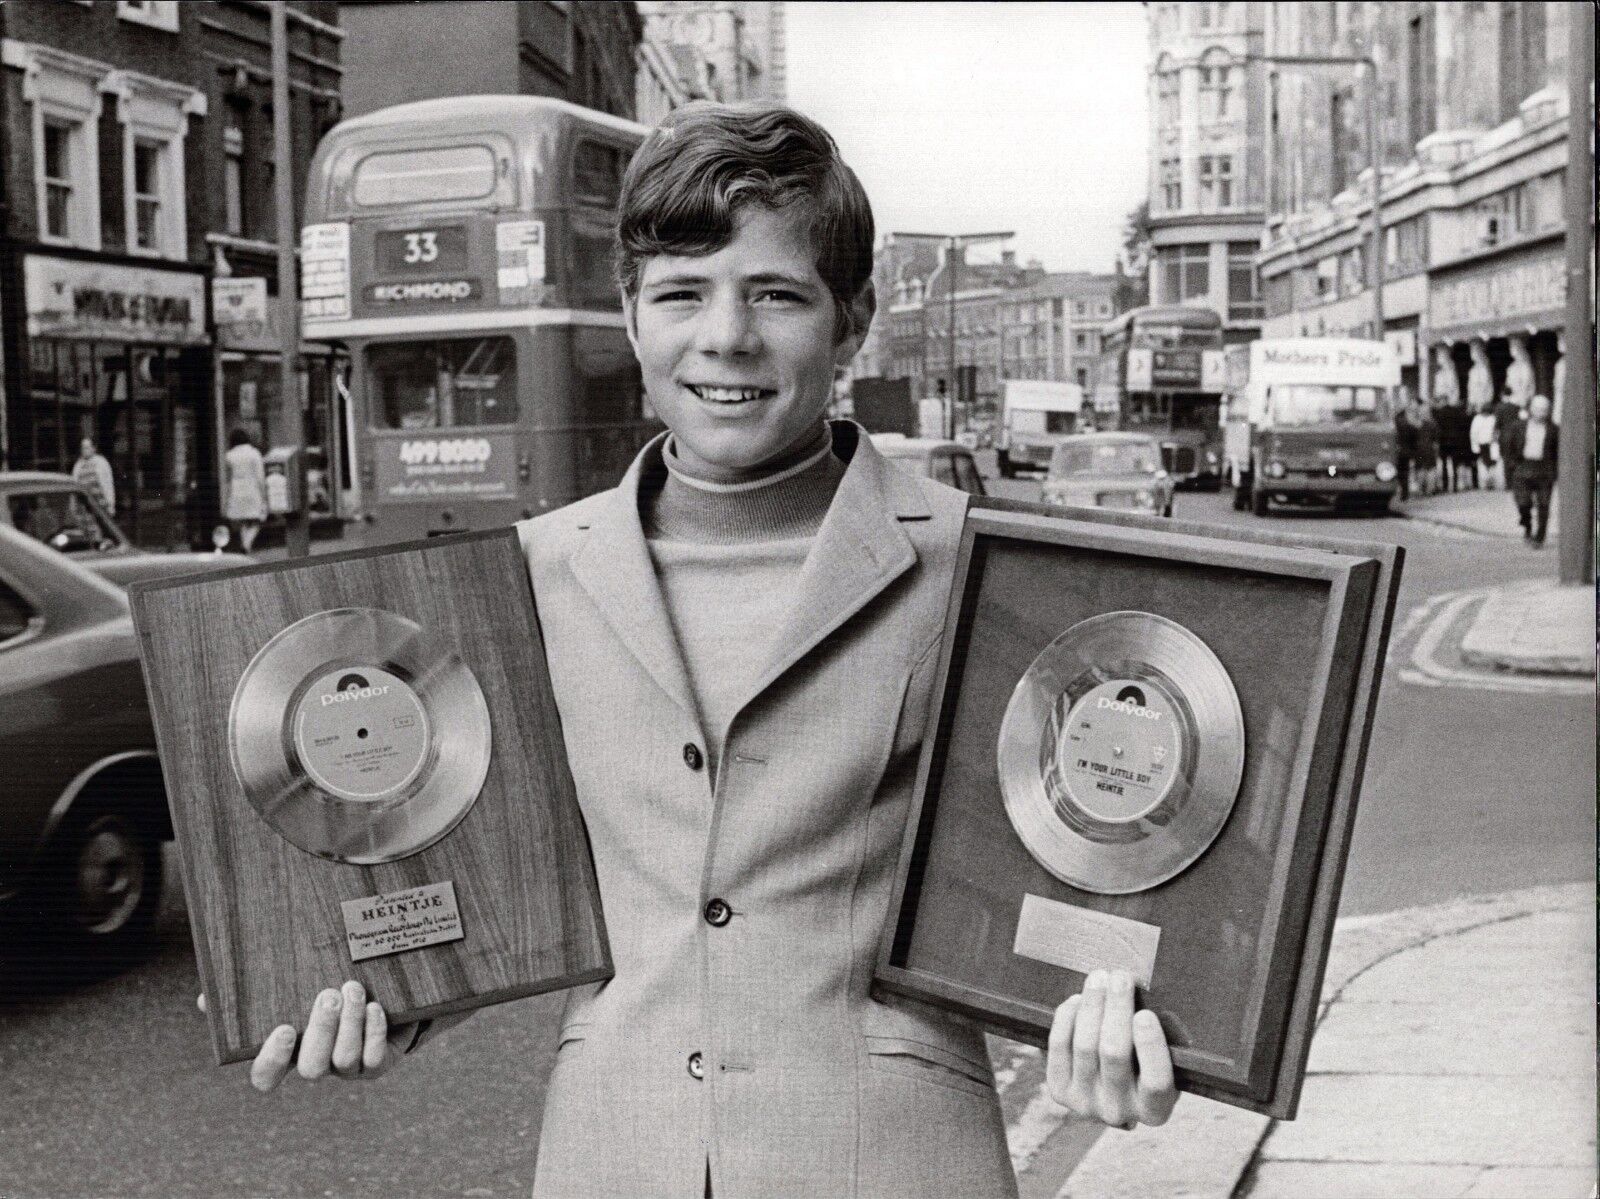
(154, 115)
(63, 101)
(1216, 86)
(1167, 98)
(233, 172)
(158, 14)
(1171, 184)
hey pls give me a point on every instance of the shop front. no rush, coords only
(250, 389)
(121, 355)
(1495, 325)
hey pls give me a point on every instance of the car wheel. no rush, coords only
(106, 882)
(1167, 511)
(1258, 503)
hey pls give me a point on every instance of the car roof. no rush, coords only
(21, 480)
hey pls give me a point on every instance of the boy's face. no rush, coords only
(737, 347)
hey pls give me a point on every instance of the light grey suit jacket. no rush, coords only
(801, 1084)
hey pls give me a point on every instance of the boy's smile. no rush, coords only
(738, 347)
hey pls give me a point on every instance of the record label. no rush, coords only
(361, 734)
(1121, 750)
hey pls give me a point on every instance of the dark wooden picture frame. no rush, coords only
(1337, 595)
(266, 916)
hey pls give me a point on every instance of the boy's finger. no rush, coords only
(349, 1041)
(1058, 1057)
(200, 1001)
(375, 1050)
(1116, 1036)
(272, 1062)
(1086, 1032)
(1157, 1091)
(316, 1047)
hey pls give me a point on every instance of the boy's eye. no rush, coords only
(782, 295)
(665, 297)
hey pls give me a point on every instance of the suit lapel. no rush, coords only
(859, 551)
(613, 566)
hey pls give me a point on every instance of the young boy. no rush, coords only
(743, 637)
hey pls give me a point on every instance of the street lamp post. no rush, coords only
(954, 241)
(1374, 154)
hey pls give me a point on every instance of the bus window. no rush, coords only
(442, 384)
(597, 174)
(421, 176)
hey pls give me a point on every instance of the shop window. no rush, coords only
(158, 14)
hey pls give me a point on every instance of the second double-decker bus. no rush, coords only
(460, 251)
(1168, 375)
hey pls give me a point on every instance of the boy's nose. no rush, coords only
(726, 327)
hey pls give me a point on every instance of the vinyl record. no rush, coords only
(1121, 752)
(357, 737)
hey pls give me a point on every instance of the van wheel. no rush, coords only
(1258, 503)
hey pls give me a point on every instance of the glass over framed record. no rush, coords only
(1146, 743)
(367, 779)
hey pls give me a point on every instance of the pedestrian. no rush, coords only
(93, 474)
(1456, 459)
(245, 488)
(738, 636)
(1532, 450)
(1486, 446)
(1425, 463)
(1405, 441)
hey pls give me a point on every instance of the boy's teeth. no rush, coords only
(728, 395)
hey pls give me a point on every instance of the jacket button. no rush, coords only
(718, 913)
(692, 757)
(697, 1066)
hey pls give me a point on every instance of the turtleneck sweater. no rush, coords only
(727, 556)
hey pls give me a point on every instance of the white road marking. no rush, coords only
(1426, 668)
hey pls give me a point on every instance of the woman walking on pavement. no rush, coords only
(245, 488)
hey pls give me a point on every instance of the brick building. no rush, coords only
(134, 143)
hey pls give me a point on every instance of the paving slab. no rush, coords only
(1489, 513)
(1441, 1120)
(1532, 1182)
(1480, 1037)
(1199, 1153)
(1359, 1180)
(1543, 628)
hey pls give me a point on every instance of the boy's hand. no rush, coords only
(345, 1036)
(1107, 1062)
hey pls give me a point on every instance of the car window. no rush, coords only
(63, 520)
(15, 614)
(941, 469)
(967, 476)
(1106, 458)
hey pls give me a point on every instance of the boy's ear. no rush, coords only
(862, 310)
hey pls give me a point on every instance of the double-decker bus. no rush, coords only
(460, 251)
(1168, 374)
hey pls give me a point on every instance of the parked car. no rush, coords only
(946, 461)
(57, 510)
(83, 810)
(1109, 470)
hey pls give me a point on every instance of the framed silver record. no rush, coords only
(1121, 752)
(358, 737)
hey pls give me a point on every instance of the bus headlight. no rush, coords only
(1385, 472)
(1211, 458)
(1276, 469)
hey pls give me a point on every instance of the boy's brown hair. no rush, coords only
(685, 187)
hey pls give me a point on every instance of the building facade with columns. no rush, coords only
(1472, 122)
(709, 50)
(1206, 159)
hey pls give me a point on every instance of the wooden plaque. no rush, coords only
(1231, 948)
(426, 844)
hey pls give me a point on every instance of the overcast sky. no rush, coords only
(977, 117)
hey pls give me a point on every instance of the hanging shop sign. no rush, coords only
(102, 301)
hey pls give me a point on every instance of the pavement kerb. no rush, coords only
(1205, 1149)
(1460, 526)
